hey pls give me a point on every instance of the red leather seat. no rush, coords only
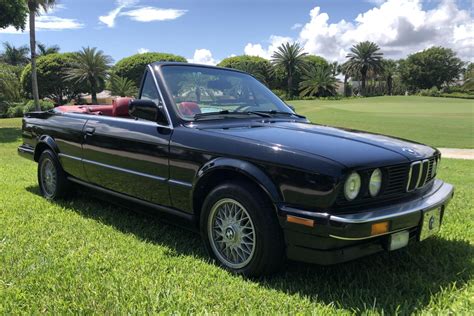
(120, 107)
(189, 108)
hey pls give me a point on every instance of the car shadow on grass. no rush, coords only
(10, 134)
(404, 281)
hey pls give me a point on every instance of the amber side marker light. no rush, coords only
(300, 220)
(379, 228)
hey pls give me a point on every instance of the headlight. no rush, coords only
(352, 186)
(375, 183)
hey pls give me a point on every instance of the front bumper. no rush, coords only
(343, 237)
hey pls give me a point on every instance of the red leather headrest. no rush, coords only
(189, 108)
(120, 107)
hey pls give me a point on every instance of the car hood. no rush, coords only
(351, 148)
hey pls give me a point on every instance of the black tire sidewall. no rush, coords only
(61, 180)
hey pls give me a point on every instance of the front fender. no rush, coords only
(245, 168)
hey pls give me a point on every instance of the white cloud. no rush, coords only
(48, 23)
(109, 19)
(143, 50)
(258, 50)
(400, 27)
(296, 26)
(140, 14)
(149, 14)
(203, 56)
(376, 2)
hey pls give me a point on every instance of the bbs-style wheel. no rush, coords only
(241, 231)
(52, 179)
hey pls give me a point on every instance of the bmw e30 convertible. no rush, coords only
(216, 148)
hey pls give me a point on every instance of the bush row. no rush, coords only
(19, 109)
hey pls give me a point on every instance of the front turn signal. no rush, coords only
(300, 220)
(379, 228)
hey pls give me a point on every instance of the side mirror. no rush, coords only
(291, 107)
(147, 110)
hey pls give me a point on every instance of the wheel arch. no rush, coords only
(45, 142)
(221, 169)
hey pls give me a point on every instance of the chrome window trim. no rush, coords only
(165, 106)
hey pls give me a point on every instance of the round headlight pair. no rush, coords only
(353, 184)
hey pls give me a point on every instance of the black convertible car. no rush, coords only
(218, 149)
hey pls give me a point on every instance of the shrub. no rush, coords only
(15, 110)
(44, 104)
(51, 70)
(258, 67)
(457, 95)
(433, 92)
(134, 66)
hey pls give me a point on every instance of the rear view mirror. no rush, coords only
(147, 110)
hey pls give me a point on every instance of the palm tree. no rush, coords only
(34, 8)
(389, 71)
(89, 66)
(365, 56)
(15, 56)
(318, 81)
(47, 50)
(122, 86)
(290, 57)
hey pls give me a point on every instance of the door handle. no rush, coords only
(89, 131)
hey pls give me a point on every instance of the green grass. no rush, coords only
(439, 122)
(86, 256)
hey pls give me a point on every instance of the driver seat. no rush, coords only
(189, 108)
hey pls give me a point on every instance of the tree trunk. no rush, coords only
(290, 85)
(389, 85)
(34, 78)
(364, 79)
(93, 91)
(346, 90)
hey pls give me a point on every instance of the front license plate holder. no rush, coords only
(431, 223)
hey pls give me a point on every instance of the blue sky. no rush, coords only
(209, 30)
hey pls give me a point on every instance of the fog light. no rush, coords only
(379, 228)
(398, 240)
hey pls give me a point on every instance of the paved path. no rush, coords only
(457, 153)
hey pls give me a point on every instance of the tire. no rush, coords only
(52, 179)
(240, 230)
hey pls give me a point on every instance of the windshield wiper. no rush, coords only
(271, 112)
(203, 115)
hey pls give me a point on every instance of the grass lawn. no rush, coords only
(440, 122)
(86, 256)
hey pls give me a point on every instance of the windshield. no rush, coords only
(201, 91)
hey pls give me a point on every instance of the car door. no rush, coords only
(127, 155)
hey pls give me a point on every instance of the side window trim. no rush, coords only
(148, 71)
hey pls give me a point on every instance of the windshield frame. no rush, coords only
(217, 116)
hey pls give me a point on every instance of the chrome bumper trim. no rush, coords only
(439, 194)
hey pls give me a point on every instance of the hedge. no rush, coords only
(133, 67)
